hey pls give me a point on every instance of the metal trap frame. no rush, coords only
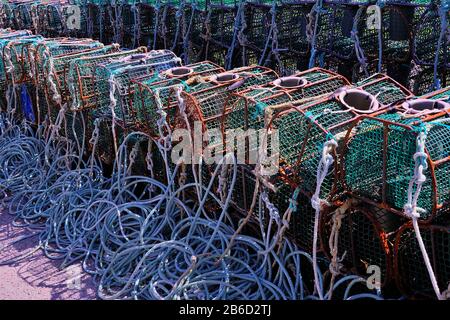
(412, 276)
(381, 173)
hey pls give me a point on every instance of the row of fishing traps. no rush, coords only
(86, 147)
(407, 39)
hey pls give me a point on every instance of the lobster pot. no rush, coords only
(6, 16)
(306, 127)
(129, 28)
(431, 42)
(335, 23)
(207, 105)
(412, 276)
(114, 79)
(18, 54)
(255, 23)
(45, 52)
(23, 16)
(422, 79)
(396, 34)
(291, 51)
(150, 95)
(170, 24)
(59, 76)
(100, 21)
(247, 109)
(51, 20)
(220, 39)
(193, 33)
(6, 36)
(147, 24)
(379, 160)
(84, 95)
(364, 238)
(17, 59)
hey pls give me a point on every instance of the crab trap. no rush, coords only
(425, 79)
(219, 38)
(381, 160)
(412, 276)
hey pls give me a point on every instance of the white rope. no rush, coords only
(112, 106)
(325, 163)
(413, 212)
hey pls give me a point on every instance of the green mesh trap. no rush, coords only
(305, 127)
(83, 92)
(208, 104)
(56, 74)
(111, 81)
(378, 162)
(412, 276)
(144, 106)
(246, 109)
(432, 37)
(425, 79)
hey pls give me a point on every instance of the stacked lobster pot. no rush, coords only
(255, 30)
(84, 96)
(6, 36)
(110, 81)
(273, 33)
(203, 112)
(288, 49)
(247, 110)
(219, 38)
(18, 74)
(337, 32)
(250, 110)
(431, 48)
(399, 162)
(155, 105)
(61, 18)
(360, 37)
(49, 83)
(311, 135)
(18, 15)
(146, 18)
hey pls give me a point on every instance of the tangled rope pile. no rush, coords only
(138, 236)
